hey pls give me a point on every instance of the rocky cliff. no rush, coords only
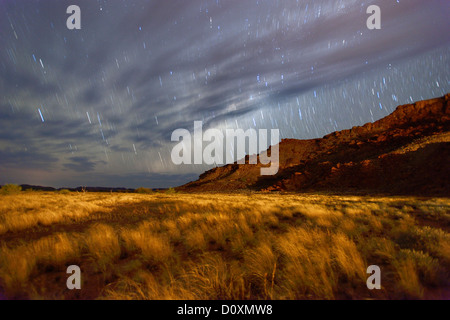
(407, 152)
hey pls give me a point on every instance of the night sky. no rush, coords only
(97, 106)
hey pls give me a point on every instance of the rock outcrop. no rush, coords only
(407, 152)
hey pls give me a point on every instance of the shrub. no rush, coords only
(64, 191)
(143, 190)
(10, 189)
(171, 191)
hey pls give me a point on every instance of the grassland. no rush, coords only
(223, 246)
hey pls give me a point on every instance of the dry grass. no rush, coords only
(152, 246)
(223, 246)
(102, 245)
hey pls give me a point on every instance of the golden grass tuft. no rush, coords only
(103, 245)
(153, 247)
(18, 264)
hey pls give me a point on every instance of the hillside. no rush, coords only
(407, 152)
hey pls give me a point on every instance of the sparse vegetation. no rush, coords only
(171, 191)
(223, 246)
(10, 189)
(143, 190)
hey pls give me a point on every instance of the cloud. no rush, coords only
(138, 70)
(28, 158)
(81, 164)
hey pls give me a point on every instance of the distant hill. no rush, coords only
(407, 152)
(80, 189)
(26, 187)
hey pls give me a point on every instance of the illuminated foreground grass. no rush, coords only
(223, 246)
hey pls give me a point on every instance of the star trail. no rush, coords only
(97, 106)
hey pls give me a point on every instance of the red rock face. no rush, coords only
(407, 152)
